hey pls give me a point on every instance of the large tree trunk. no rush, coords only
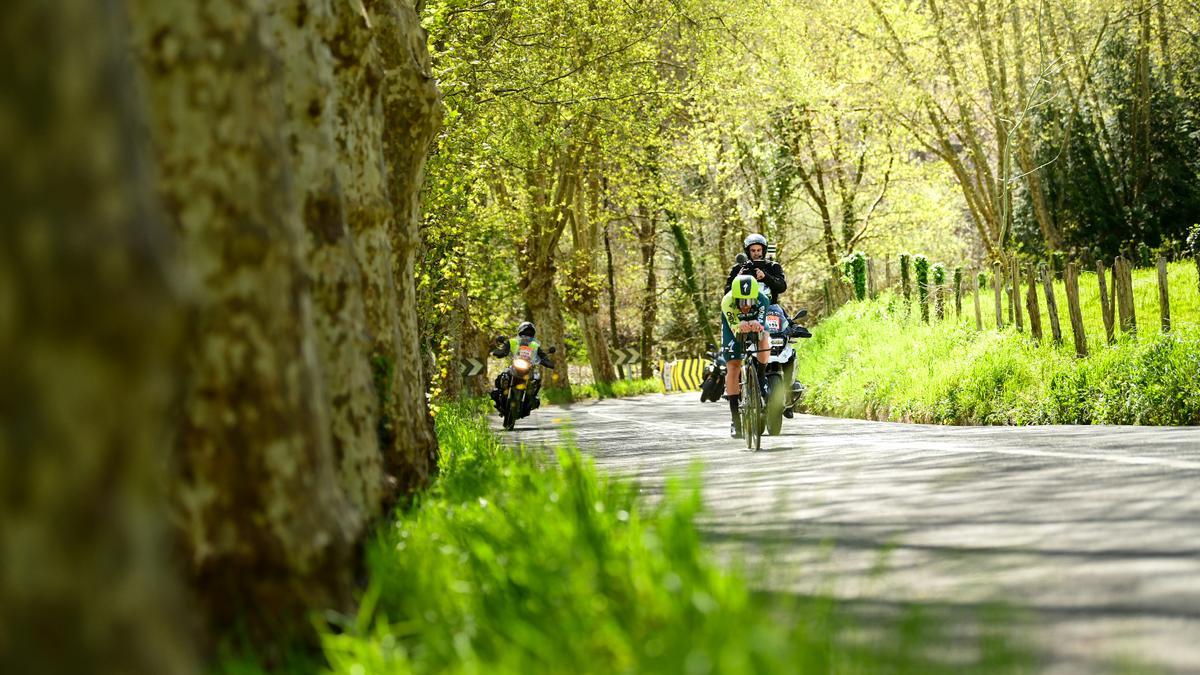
(90, 329)
(552, 185)
(266, 529)
(648, 245)
(583, 288)
(687, 272)
(392, 110)
(312, 98)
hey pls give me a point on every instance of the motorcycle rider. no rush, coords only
(743, 308)
(525, 337)
(764, 271)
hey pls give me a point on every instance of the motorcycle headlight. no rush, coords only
(521, 367)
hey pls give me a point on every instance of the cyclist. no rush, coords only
(742, 310)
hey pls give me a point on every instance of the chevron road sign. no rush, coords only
(624, 356)
(470, 367)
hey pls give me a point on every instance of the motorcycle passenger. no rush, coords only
(742, 310)
(764, 271)
(524, 337)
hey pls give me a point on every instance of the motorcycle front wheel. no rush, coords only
(775, 403)
(514, 409)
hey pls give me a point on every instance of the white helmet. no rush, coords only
(754, 239)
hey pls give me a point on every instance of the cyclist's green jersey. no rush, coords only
(731, 317)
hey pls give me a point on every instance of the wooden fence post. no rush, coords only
(871, 278)
(1164, 300)
(1106, 305)
(1071, 280)
(1031, 304)
(1123, 271)
(958, 275)
(828, 300)
(997, 283)
(1015, 273)
(978, 314)
(887, 272)
(1051, 302)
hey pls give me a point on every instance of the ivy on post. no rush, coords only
(921, 264)
(856, 269)
(905, 278)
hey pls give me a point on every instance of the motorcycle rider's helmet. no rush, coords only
(752, 240)
(745, 291)
(526, 329)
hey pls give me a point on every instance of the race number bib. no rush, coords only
(525, 352)
(773, 323)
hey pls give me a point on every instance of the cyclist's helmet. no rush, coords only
(526, 329)
(752, 240)
(744, 290)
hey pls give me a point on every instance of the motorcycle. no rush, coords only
(712, 387)
(782, 393)
(519, 386)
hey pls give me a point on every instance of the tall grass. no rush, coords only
(511, 565)
(869, 360)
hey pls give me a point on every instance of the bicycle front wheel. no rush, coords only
(752, 408)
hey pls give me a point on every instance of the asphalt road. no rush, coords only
(1093, 531)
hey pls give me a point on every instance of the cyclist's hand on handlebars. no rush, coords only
(750, 327)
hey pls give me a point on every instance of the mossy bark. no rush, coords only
(267, 531)
(91, 324)
(411, 108)
(303, 31)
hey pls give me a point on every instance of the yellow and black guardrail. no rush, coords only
(682, 374)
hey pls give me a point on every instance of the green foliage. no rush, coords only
(516, 563)
(1120, 166)
(599, 390)
(866, 363)
(983, 280)
(921, 264)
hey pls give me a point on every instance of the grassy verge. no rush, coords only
(510, 565)
(618, 389)
(874, 360)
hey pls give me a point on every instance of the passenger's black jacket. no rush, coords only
(772, 276)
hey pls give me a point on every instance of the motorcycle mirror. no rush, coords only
(552, 350)
(800, 315)
(741, 259)
(498, 339)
